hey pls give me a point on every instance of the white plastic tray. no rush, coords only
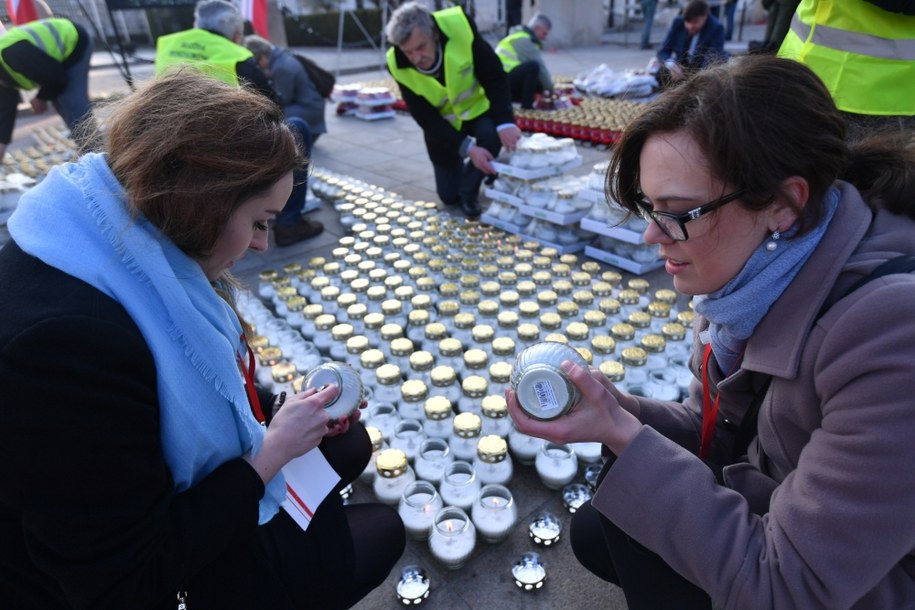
(533, 174)
(596, 226)
(540, 213)
(623, 263)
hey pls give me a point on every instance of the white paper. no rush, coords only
(309, 479)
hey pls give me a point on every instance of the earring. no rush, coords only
(772, 244)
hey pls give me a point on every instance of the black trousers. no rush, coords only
(524, 80)
(647, 581)
(457, 180)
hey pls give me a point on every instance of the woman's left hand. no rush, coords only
(598, 416)
(341, 426)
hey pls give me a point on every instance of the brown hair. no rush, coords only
(759, 120)
(695, 9)
(189, 150)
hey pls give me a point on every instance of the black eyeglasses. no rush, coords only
(674, 225)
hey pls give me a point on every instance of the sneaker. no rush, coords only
(286, 235)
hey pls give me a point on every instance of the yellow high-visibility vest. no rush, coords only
(462, 97)
(56, 37)
(506, 50)
(863, 54)
(212, 54)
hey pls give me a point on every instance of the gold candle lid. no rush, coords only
(505, 262)
(316, 262)
(388, 374)
(465, 319)
(421, 301)
(500, 372)
(561, 270)
(509, 298)
(542, 262)
(469, 280)
(629, 297)
(359, 285)
(435, 331)
(414, 390)
(488, 308)
(557, 338)
(674, 331)
(286, 292)
(529, 309)
(569, 259)
(508, 319)
(666, 295)
(296, 303)
(268, 275)
(609, 306)
(567, 309)
(469, 297)
(602, 289)
(507, 278)
(586, 354)
(639, 285)
(634, 356)
(686, 318)
(503, 346)
(449, 308)
(639, 319)
(583, 298)
(424, 283)
(437, 407)
(312, 311)
(330, 269)
(614, 370)
(391, 331)
(418, 317)
(542, 278)
(376, 293)
(482, 333)
(489, 270)
(350, 259)
(270, 356)
(346, 299)
(391, 463)
(475, 386)
(590, 267)
(550, 321)
(490, 289)
(283, 371)
(341, 332)
(371, 358)
(374, 320)
(329, 293)
(357, 344)
(443, 376)
(421, 361)
(258, 343)
(653, 343)
(403, 293)
(658, 309)
(577, 331)
(595, 319)
(449, 290)
(603, 344)
(393, 282)
(467, 425)
(622, 331)
(325, 321)
(526, 288)
(523, 269)
(475, 358)
(494, 406)
(375, 437)
(450, 347)
(528, 332)
(492, 449)
(562, 287)
(581, 278)
(547, 298)
(391, 307)
(349, 276)
(401, 347)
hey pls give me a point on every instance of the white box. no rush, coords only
(540, 213)
(502, 197)
(500, 224)
(533, 174)
(623, 263)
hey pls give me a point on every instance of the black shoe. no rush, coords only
(286, 235)
(471, 209)
(647, 46)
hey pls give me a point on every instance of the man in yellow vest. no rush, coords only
(523, 61)
(864, 52)
(51, 55)
(456, 90)
(214, 47)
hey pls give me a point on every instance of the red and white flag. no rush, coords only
(254, 11)
(22, 11)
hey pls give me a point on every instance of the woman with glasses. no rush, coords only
(784, 480)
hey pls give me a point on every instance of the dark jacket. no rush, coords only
(709, 47)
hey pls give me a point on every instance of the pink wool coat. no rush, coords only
(832, 470)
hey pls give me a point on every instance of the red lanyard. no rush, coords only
(709, 408)
(248, 372)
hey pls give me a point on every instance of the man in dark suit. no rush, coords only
(695, 40)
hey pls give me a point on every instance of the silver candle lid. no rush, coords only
(350, 389)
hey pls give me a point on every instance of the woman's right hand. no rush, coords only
(296, 428)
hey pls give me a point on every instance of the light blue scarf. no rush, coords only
(736, 308)
(77, 221)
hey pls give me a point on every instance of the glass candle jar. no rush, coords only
(438, 417)
(322, 337)
(350, 391)
(545, 529)
(340, 334)
(453, 537)
(416, 326)
(387, 384)
(544, 391)
(385, 417)
(556, 465)
(492, 463)
(418, 506)
(499, 377)
(524, 447)
(587, 453)
(494, 513)
(355, 346)
(413, 394)
(465, 432)
(378, 445)
(475, 362)
(474, 388)
(494, 412)
(408, 437)
(433, 457)
(421, 364)
(394, 475)
(444, 383)
(460, 485)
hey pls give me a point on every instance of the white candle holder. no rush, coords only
(546, 529)
(574, 495)
(460, 485)
(453, 537)
(433, 456)
(408, 437)
(524, 447)
(494, 513)
(418, 507)
(556, 465)
(529, 573)
(592, 474)
(413, 586)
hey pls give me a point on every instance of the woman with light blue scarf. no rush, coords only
(140, 463)
(784, 478)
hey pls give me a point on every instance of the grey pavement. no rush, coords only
(390, 153)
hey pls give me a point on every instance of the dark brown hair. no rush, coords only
(695, 9)
(189, 150)
(759, 120)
